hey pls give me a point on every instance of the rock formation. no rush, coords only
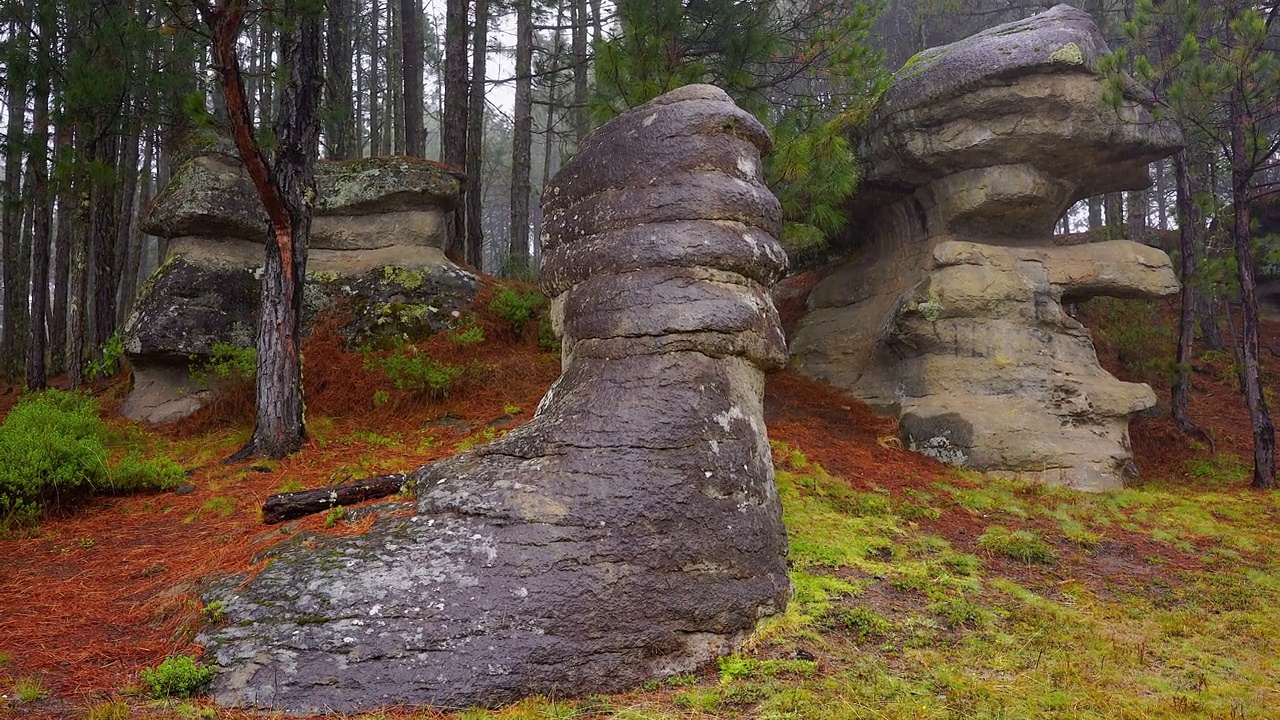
(377, 244)
(949, 310)
(632, 529)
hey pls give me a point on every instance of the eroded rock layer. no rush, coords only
(949, 310)
(632, 529)
(377, 245)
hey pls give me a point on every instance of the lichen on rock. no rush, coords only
(948, 311)
(632, 529)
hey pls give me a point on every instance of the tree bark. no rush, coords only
(38, 160)
(62, 140)
(287, 506)
(454, 133)
(475, 138)
(1189, 227)
(1264, 433)
(394, 138)
(375, 82)
(133, 260)
(521, 140)
(411, 34)
(11, 218)
(128, 211)
(287, 190)
(581, 120)
(340, 126)
(102, 250)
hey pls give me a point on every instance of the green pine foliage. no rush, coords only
(54, 453)
(808, 73)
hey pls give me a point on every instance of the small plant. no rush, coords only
(112, 710)
(108, 361)
(178, 676)
(214, 612)
(516, 305)
(960, 612)
(5, 659)
(1021, 545)
(220, 505)
(86, 542)
(864, 623)
(335, 515)
(410, 370)
(473, 335)
(228, 363)
(29, 689)
(381, 397)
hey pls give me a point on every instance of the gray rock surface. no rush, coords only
(377, 245)
(948, 309)
(632, 529)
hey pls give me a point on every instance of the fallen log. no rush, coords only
(287, 506)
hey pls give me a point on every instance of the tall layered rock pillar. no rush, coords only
(632, 529)
(948, 311)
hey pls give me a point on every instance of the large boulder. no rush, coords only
(948, 309)
(380, 229)
(632, 529)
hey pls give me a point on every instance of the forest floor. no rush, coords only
(920, 591)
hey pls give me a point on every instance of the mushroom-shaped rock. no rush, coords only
(1000, 132)
(377, 244)
(632, 529)
(948, 310)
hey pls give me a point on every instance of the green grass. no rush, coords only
(29, 689)
(907, 623)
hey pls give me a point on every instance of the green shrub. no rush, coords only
(473, 335)
(109, 361)
(228, 363)
(178, 676)
(53, 453)
(409, 370)
(516, 305)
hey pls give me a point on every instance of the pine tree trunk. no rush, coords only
(40, 242)
(1189, 228)
(411, 51)
(340, 124)
(395, 79)
(1207, 312)
(62, 138)
(581, 120)
(376, 81)
(1095, 212)
(521, 140)
(79, 283)
(128, 211)
(287, 189)
(11, 217)
(453, 134)
(133, 260)
(1137, 220)
(1264, 433)
(102, 252)
(475, 138)
(1113, 205)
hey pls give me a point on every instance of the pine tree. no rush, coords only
(1216, 69)
(806, 70)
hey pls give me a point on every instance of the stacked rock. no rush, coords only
(632, 529)
(948, 312)
(378, 240)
